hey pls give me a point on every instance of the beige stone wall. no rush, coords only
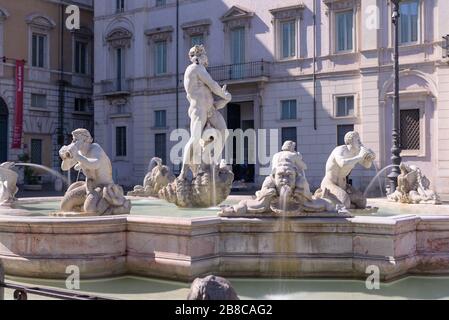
(16, 42)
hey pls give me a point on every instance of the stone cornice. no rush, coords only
(119, 37)
(196, 27)
(236, 17)
(40, 21)
(288, 12)
(160, 34)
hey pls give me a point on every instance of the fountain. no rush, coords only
(285, 230)
(210, 183)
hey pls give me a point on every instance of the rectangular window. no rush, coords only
(80, 105)
(408, 27)
(36, 151)
(237, 52)
(345, 106)
(160, 57)
(120, 5)
(196, 40)
(120, 141)
(38, 101)
(38, 50)
(160, 3)
(288, 39)
(160, 118)
(80, 57)
(342, 130)
(344, 27)
(160, 145)
(410, 129)
(119, 67)
(289, 134)
(288, 109)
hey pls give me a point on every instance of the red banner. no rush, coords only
(18, 115)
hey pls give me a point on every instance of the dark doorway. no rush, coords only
(242, 171)
(3, 131)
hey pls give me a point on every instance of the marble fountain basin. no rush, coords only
(159, 240)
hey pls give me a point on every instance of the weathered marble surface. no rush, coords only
(413, 187)
(208, 134)
(157, 178)
(339, 165)
(98, 194)
(198, 192)
(184, 249)
(8, 184)
(285, 192)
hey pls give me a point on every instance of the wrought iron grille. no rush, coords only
(410, 131)
(239, 71)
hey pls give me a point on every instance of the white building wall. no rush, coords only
(366, 73)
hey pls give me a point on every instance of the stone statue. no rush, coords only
(342, 160)
(286, 191)
(212, 288)
(99, 194)
(158, 177)
(198, 192)
(203, 110)
(8, 181)
(413, 187)
(211, 182)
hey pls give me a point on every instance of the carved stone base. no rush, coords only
(199, 192)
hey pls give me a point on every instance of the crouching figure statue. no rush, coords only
(98, 195)
(413, 187)
(157, 178)
(340, 163)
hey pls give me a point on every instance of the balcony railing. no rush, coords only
(118, 86)
(240, 71)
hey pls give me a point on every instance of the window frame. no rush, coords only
(76, 58)
(355, 107)
(156, 60)
(290, 109)
(416, 102)
(120, 6)
(156, 145)
(294, 46)
(45, 51)
(343, 125)
(163, 111)
(191, 37)
(418, 25)
(296, 133)
(336, 29)
(125, 155)
(39, 107)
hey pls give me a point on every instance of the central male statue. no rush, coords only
(203, 110)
